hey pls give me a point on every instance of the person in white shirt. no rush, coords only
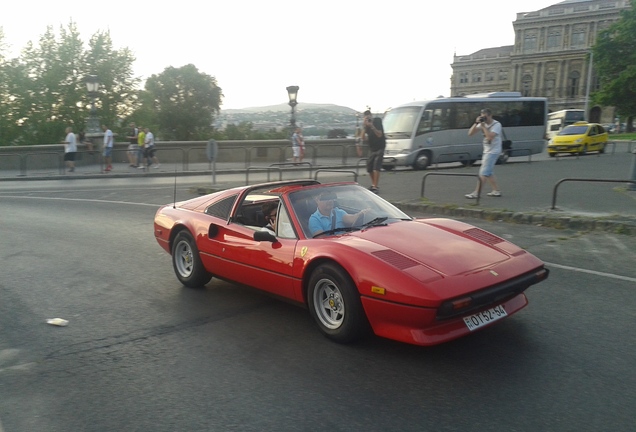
(108, 148)
(149, 150)
(70, 148)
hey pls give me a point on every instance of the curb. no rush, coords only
(610, 224)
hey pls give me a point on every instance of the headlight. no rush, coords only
(578, 141)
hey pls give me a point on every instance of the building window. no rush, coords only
(573, 84)
(476, 77)
(526, 85)
(463, 78)
(550, 81)
(530, 43)
(503, 75)
(554, 40)
(490, 76)
(578, 38)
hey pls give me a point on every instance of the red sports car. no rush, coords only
(356, 261)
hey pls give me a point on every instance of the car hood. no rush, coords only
(443, 245)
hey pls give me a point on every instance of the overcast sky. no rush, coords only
(344, 52)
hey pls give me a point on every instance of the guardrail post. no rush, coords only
(632, 186)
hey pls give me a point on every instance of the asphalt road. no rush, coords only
(142, 353)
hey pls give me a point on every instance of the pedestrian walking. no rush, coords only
(149, 148)
(108, 148)
(70, 149)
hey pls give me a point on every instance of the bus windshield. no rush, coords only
(400, 122)
(573, 116)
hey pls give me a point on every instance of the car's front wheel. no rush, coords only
(335, 305)
(187, 262)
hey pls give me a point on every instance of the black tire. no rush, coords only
(422, 161)
(334, 303)
(388, 167)
(583, 150)
(467, 163)
(602, 149)
(552, 154)
(187, 262)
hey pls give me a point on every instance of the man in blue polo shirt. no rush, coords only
(327, 217)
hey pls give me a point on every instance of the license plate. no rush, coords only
(473, 322)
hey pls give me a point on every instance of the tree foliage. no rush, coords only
(615, 64)
(43, 91)
(184, 102)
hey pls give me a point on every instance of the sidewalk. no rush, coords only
(528, 188)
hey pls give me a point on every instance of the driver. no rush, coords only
(328, 217)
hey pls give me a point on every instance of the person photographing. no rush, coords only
(491, 130)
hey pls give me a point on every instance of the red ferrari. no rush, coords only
(356, 261)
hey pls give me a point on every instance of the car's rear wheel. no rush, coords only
(187, 262)
(335, 305)
(602, 149)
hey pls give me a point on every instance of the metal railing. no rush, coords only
(187, 156)
(355, 174)
(557, 184)
(451, 174)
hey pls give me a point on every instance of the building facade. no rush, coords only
(550, 57)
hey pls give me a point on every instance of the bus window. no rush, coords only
(425, 122)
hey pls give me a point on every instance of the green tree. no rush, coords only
(615, 64)
(185, 102)
(43, 91)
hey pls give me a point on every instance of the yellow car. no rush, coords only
(580, 137)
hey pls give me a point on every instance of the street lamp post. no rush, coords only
(587, 88)
(293, 94)
(92, 124)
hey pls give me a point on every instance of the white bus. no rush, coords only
(559, 119)
(422, 133)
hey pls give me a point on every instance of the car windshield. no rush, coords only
(574, 130)
(356, 208)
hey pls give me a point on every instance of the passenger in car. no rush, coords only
(270, 210)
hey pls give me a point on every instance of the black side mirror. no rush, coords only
(264, 236)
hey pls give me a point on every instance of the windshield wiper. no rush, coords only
(379, 221)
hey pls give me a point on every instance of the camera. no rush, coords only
(482, 119)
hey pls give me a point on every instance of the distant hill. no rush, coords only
(285, 108)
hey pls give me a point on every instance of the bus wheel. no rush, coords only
(422, 161)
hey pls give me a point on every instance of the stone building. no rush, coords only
(550, 57)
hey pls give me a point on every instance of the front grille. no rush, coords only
(493, 295)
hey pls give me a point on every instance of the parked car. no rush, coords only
(579, 138)
(369, 266)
